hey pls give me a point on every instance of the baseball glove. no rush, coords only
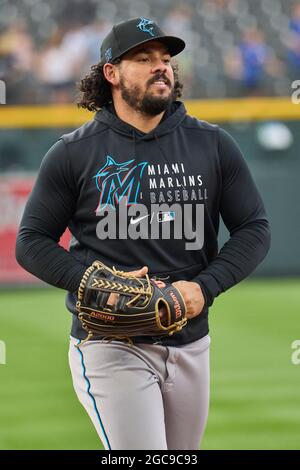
(141, 307)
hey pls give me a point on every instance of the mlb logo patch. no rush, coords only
(166, 216)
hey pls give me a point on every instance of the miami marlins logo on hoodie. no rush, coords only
(117, 180)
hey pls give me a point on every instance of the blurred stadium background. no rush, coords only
(241, 60)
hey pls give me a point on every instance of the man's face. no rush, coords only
(147, 79)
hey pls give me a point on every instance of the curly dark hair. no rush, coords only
(96, 90)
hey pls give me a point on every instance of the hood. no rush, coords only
(172, 117)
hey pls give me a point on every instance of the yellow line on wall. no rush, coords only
(42, 116)
(228, 110)
(247, 109)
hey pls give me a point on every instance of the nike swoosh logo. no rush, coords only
(135, 221)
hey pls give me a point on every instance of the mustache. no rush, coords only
(159, 77)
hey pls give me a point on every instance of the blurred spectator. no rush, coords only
(179, 23)
(16, 46)
(67, 56)
(252, 63)
(60, 61)
(17, 63)
(294, 40)
(220, 4)
(95, 33)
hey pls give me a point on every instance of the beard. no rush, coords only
(146, 103)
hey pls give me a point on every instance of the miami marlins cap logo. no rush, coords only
(108, 54)
(144, 26)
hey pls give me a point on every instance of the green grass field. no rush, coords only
(255, 388)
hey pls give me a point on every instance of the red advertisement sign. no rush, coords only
(14, 192)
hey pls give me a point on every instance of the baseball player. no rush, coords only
(142, 187)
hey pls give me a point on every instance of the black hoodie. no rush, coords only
(132, 199)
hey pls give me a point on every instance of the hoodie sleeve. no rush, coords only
(48, 211)
(244, 215)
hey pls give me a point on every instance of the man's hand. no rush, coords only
(193, 297)
(113, 298)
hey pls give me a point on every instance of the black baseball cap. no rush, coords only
(131, 33)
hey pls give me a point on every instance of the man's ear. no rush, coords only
(111, 73)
